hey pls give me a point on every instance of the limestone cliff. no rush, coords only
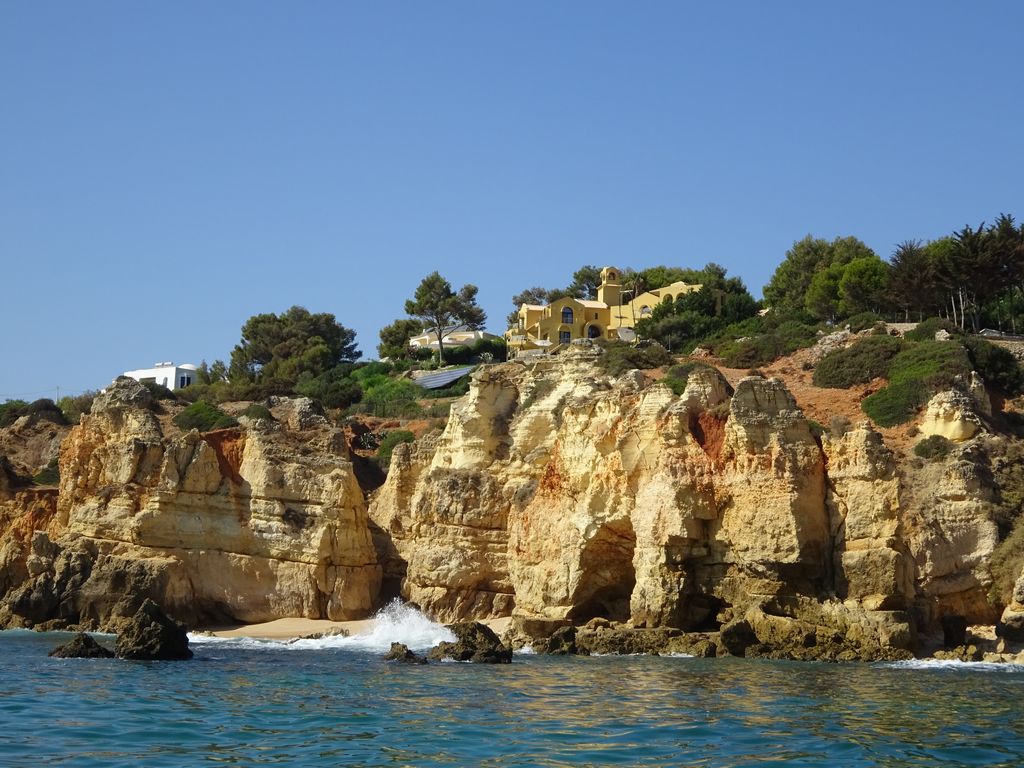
(234, 525)
(559, 495)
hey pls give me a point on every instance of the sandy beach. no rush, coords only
(287, 629)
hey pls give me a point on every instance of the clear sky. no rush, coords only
(169, 169)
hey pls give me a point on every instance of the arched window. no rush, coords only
(594, 332)
(567, 315)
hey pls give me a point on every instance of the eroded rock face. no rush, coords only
(581, 496)
(952, 415)
(226, 526)
(558, 495)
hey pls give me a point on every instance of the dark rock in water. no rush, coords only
(561, 643)
(954, 631)
(82, 646)
(737, 636)
(151, 635)
(474, 642)
(623, 641)
(400, 652)
(960, 653)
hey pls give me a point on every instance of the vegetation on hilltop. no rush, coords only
(440, 310)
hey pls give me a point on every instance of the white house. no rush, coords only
(459, 336)
(166, 374)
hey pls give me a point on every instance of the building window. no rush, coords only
(564, 337)
(567, 315)
(185, 381)
(594, 332)
(645, 311)
(595, 315)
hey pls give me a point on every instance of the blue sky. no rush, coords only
(169, 169)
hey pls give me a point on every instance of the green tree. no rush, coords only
(394, 338)
(822, 297)
(863, 286)
(441, 310)
(912, 280)
(283, 347)
(786, 292)
(535, 295)
(585, 282)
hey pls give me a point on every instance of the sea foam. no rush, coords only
(394, 623)
(954, 664)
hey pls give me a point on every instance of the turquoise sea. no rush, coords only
(334, 702)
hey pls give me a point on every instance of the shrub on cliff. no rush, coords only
(867, 359)
(679, 375)
(10, 411)
(74, 406)
(49, 475)
(204, 417)
(915, 374)
(926, 329)
(43, 409)
(862, 321)
(258, 411)
(934, 447)
(996, 365)
(387, 445)
(763, 341)
(620, 357)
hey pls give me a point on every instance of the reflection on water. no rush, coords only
(244, 706)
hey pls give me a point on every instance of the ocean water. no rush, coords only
(334, 702)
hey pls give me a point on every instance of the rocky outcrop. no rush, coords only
(234, 525)
(1011, 623)
(951, 414)
(558, 495)
(151, 635)
(81, 646)
(400, 652)
(474, 642)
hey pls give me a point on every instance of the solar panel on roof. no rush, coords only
(442, 378)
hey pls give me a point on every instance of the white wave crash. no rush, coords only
(396, 622)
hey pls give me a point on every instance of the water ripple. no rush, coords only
(256, 706)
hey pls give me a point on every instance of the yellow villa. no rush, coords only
(612, 316)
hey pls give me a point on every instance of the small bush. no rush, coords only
(896, 404)
(938, 364)
(816, 429)
(996, 365)
(863, 321)
(678, 375)
(934, 447)
(159, 391)
(388, 443)
(50, 475)
(620, 357)
(44, 409)
(867, 359)
(926, 329)
(11, 411)
(75, 406)
(438, 411)
(204, 417)
(258, 411)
